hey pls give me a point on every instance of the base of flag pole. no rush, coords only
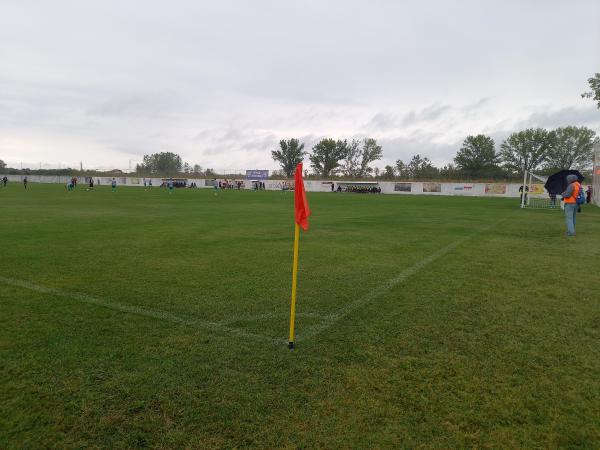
(291, 345)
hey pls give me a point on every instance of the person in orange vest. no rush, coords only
(570, 199)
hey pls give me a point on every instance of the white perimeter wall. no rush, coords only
(387, 187)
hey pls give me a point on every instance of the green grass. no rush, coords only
(139, 319)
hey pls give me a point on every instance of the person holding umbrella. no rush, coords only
(570, 198)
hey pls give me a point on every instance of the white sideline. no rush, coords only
(131, 309)
(331, 319)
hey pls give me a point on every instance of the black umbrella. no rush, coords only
(557, 183)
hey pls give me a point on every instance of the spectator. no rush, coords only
(570, 198)
(521, 191)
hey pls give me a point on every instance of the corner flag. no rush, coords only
(300, 202)
(302, 212)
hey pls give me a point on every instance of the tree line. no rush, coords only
(168, 163)
(330, 157)
(531, 149)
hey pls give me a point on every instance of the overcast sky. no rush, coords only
(221, 82)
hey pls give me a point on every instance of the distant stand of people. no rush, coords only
(359, 189)
(174, 183)
(228, 184)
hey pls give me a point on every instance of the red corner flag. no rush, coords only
(300, 202)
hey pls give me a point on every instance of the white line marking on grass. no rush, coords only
(330, 319)
(131, 309)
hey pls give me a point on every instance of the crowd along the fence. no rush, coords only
(497, 189)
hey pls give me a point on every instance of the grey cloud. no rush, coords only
(548, 118)
(427, 114)
(220, 142)
(544, 117)
(481, 103)
(137, 104)
(424, 144)
(383, 122)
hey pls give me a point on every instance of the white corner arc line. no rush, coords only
(346, 310)
(137, 310)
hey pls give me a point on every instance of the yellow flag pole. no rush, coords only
(294, 282)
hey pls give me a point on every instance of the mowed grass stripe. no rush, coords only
(349, 308)
(131, 309)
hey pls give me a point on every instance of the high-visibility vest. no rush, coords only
(573, 198)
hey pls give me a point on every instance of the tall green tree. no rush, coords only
(477, 156)
(327, 156)
(371, 152)
(594, 92)
(527, 149)
(420, 167)
(358, 158)
(388, 172)
(351, 164)
(2, 165)
(449, 171)
(573, 148)
(402, 169)
(290, 154)
(164, 163)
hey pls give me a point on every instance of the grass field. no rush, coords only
(139, 319)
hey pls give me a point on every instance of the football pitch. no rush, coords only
(143, 319)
